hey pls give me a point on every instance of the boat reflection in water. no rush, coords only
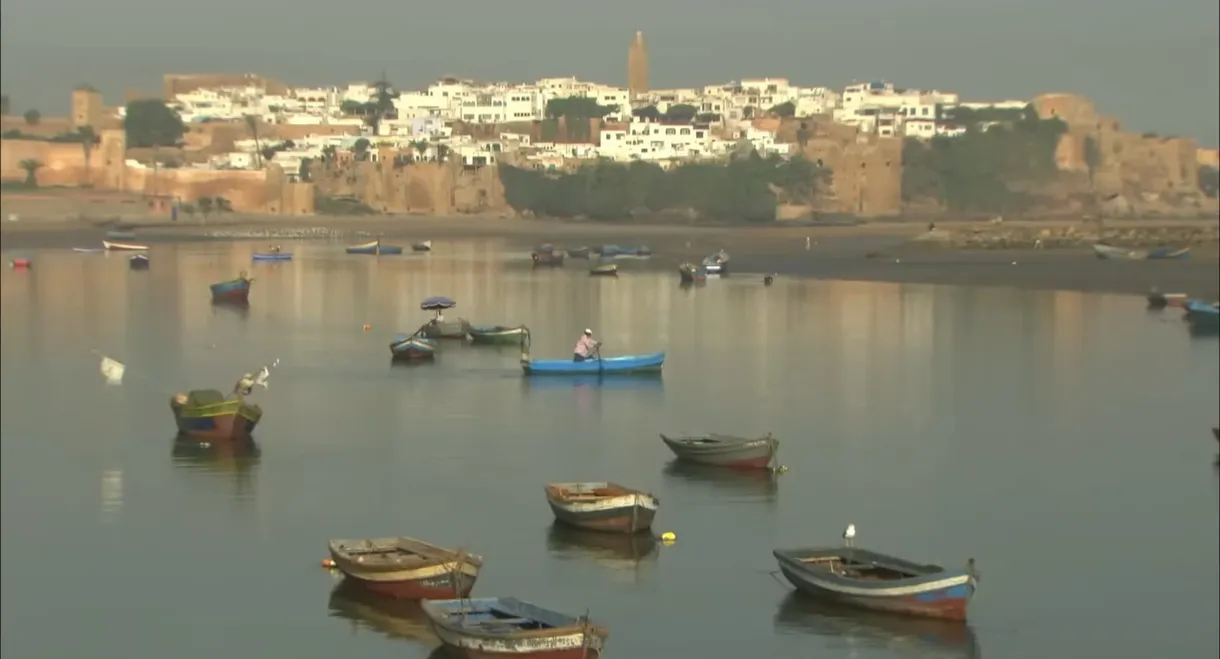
(859, 629)
(742, 484)
(592, 381)
(394, 618)
(623, 553)
(235, 459)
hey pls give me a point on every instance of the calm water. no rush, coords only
(1061, 439)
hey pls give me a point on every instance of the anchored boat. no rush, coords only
(233, 291)
(118, 246)
(138, 262)
(602, 506)
(405, 567)
(725, 450)
(375, 248)
(412, 348)
(208, 414)
(489, 627)
(498, 334)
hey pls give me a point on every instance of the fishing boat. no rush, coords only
(604, 270)
(412, 348)
(717, 264)
(375, 248)
(602, 506)
(628, 364)
(272, 256)
(690, 273)
(879, 582)
(422, 246)
(642, 250)
(208, 414)
(440, 327)
(725, 450)
(1158, 300)
(608, 251)
(123, 247)
(120, 235)
(233, 291)
(547, 257)
(1169, 253)
(395, 618)
(498, 334)
(581, 252)
(490, 627)
(405, 567)
(138, 262)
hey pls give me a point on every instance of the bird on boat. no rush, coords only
(849, 535)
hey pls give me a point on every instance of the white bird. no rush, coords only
(112, 370)
(849, 534)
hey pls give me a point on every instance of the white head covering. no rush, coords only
(588, 331)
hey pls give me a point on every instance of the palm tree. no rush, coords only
(88, 139)
(252, 126)
(31, 167)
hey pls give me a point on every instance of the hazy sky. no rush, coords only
(1154, 65)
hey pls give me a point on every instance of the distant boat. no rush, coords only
(405, 567)
(131, 247)
(88, 250)
(608, 251)
(626, 365)
(138, 262)
(1158, 300)
(375, 248)
(272, 256)
(21, 264)
(717, 264)
(208, 414)
(1204, 317)
(725, 450)
(579, 252)
(1169, 253)
(690, 273)
(489, 627)
(1109, 252)
(412, 348)
(120, 235)
(602, 506)
(544, 257)
(234, 290)
(498, 334)
(423, 246)
(604, 270)
(879, 582)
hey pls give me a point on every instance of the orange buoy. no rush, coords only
(367, 327)
(328, 563)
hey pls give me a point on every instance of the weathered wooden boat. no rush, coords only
(879, 582)
(490, 627)
(120, 235)
(602, 506)
(272, 256)
(725, 450)
(208, 414)
(628, 364)
(1169, 253)
(393, 617)
(498, 334)
(234, 290)
(120, 246)
(441, 328)
(1158, 300)
(581, 252)
(375, 248)
(422, 246)
(412, 348)
(604, 270)
(405, 567)
(138, 262)
(547, 258)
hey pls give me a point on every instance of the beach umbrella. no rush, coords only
(437, 303)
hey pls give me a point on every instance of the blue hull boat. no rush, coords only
(272, 256)
(236, 290)
(412, 348)
(629, 364)
(1204, 317)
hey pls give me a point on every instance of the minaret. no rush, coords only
(637, 66)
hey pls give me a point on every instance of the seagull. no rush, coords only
(849, 535)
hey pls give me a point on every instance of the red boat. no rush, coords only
(20, 264)
(406, 568)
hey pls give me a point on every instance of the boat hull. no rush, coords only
(1162, 300)
(1169, 253)
(229, 420)
(374, 248)
(547, 259)
(629, 365)
(413, 349)
(272, 256)
(944, 594)
(734, 453)
(626, 513)
(498, 335)
(604, 271)
(446, 329)
(567, 646)
(560, 636)
(579, 253)
(235, 291)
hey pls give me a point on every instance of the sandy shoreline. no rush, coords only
(865, 252)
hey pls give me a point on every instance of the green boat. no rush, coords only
(604, 270)
(498, 334)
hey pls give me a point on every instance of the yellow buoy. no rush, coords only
(367, 327)
(668, 536)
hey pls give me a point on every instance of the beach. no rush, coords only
(889, 251)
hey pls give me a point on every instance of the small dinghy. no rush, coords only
(602, 506)
(725, 450)
(423, 246)
(138, 262)
(405, 567)
(488, 627)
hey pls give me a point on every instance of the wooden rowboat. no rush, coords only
(498, 334)
(489, 627)
(725, 450)
(405, 567)
(129, 247)
(602, 506)
(604, 270)
(208, 414)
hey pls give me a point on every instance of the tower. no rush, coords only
(637, 66)
(87, 108)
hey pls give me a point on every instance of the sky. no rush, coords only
(1153, 65)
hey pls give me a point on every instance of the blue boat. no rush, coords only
(1204, 317)
(412, 348)
(375, 248)
(234, 290)
(272, 256)
(1202, 309)
(879, 582)
(628, 364)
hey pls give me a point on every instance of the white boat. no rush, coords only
(130, 247)
(717, 264)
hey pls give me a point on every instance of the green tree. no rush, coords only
(32, 117)
(785, 109)
(150, 122)
(31, 166)
(360, 149)
(381, 104)
(421, 149)
(205, 206)
(252, 128)
(303, 170)
(681, 112)
(328, 153)
(648, 113)
(576, 108)
(352, 108)
(88, 139)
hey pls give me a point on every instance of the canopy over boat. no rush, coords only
(437, 303)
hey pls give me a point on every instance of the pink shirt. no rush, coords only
(585, 346)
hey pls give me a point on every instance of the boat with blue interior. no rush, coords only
(412, 348)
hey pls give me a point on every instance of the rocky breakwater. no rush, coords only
(1001, 236)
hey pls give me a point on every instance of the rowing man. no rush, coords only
(585, 347)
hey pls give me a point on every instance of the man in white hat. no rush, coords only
(585, 347)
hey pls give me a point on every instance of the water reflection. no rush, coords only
(856, 629)
(398, 619)
(612, 382)
(240, 309)
(625, 554)
(751, 484)
(112, 494)
(234, 460)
